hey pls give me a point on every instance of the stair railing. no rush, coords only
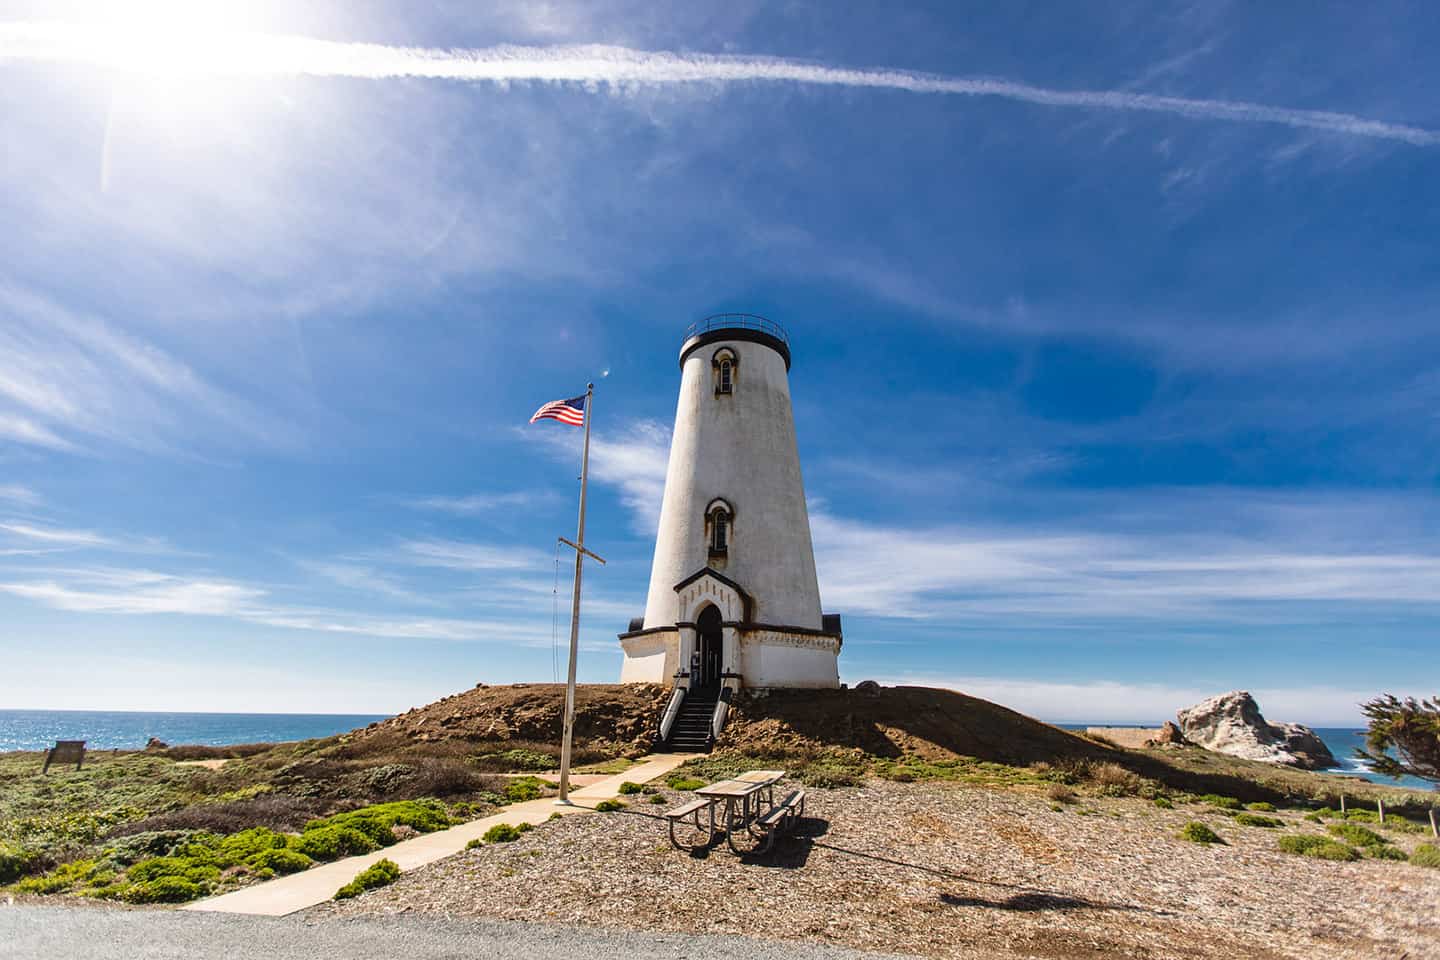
(672, 710)
(722, 705)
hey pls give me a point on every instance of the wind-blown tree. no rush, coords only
(1404, 737)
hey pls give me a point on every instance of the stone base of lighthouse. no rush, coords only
(714, 642)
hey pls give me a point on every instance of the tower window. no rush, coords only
(719, 518)
(725, 367)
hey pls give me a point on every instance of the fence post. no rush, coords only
(1342, 805)
(1434, 831)
(1380, 805)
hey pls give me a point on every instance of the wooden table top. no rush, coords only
(761, 776)
(730, 788)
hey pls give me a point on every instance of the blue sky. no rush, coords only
(1115, 339)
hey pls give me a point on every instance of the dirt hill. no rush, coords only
(621, 720)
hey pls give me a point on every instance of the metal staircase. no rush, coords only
(691, 732)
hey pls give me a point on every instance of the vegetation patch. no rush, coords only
(502, 833)
(608, 806)
(1256, 820)
(1261, 806)
(1426, 855)
(520, 789)
(1323, 848)
(628, 788)
(1216, 800)
(1164, 803)
(685, 783)
(1357, 835)
(378, 874)
(1197, 832)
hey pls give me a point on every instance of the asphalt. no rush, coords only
(94, 933)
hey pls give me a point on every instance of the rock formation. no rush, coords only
(1231, 723)
(1169, 736)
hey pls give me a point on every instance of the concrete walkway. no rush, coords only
(283, 895)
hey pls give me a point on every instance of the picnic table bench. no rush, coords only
(65, 751)
(748, 806)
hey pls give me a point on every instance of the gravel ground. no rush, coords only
(65, 933)
(953, 871)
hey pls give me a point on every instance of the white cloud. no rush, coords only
(633, 458)
(463, 555)
(16, 493)
(1141, 703)
(69, 374)
(160, 594)
(56, 535)
(255, 54)
(475, 503)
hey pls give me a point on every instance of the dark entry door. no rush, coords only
(707, 628)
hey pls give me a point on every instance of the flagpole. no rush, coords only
(564, 798)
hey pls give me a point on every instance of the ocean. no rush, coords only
(114, 730)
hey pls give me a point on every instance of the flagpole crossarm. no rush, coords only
(589, 553)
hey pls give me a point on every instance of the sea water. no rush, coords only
(116, 730)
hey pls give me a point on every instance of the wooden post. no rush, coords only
(1380, 805)
(1342, 804)
(1434, 831)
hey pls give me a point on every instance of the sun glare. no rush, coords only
(168, 38)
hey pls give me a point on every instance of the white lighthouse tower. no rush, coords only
(733, 597)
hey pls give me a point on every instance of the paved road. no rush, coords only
(95, 933)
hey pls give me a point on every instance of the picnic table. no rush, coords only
(749, 806)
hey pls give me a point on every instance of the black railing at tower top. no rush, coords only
(738, 321)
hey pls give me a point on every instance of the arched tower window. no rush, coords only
(726, 367)
(719, 527)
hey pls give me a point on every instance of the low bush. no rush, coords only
(1386, 852)
(1255, 820)
(517, 759)
(1323, 848)
(276, 811)
(378, 874)
(608, 806)
(280, 861)
(656, 798)
(165, 889)
(374, 822)
(63, 877)
(1357, 835)
(332, 842)
(685, 783)
(1060, 793)
(1197, 832)
(519, 789)
(628, 788)
(1164, 803)
(124, 851)
(1114, 780)
(1224, 803)
(185, 868)
(247, 844)
(554, 816)
(16, 861)
(1260, 806)
(502, 833)
(1426, 855)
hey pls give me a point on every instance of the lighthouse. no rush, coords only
(733, 600)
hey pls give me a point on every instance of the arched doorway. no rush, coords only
(709, 642)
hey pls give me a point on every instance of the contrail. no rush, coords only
(596, 67)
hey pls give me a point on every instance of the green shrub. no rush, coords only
(1260, 806)
(331, 843)
(1364, 816)
(1255, 820)
(167, 889)
(1197, 832)
(185, 868)
(1357, 835)
(1310, 845)
(16, 861)
(1315, 817)
(1224, 803)
(502, 833)
(628, 788)
(1426, 855)
(649, 790)
(279, 860)
(554, 816)
(685, 783)
(61, 878)
(378, 874)
(608, 806)
(241, 847)
(1385, 852)
(143, 846)
(656, 798)
(375, 821)
(520, 789)
(1164, 803)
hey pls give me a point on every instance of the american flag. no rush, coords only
(570, 411)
